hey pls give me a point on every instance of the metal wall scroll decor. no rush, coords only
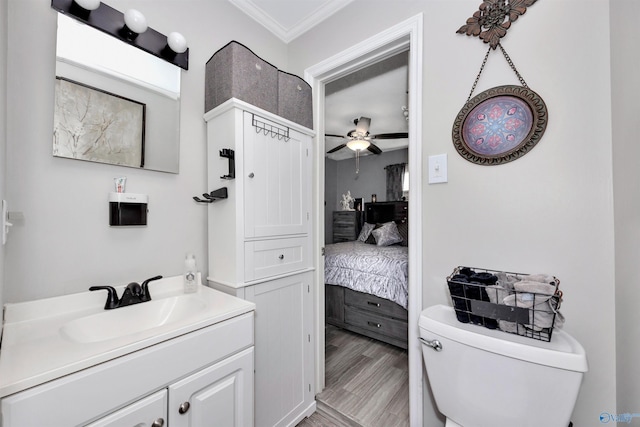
(503, 123)
(493, 18)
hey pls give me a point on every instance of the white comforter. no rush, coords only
(376, 270)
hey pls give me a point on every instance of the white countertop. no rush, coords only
(34, 349)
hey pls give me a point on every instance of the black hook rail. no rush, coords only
(219, 194)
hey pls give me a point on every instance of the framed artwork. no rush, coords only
(499, 125)
(95, 125)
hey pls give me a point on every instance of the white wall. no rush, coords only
(65, 244)
(550, 211)
(625, 59)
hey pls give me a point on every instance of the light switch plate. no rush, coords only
(438, 169)
(5, 222)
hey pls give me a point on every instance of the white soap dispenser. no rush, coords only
(190, 274)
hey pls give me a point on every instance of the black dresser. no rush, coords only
(346, 225)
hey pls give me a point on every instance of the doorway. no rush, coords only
(402, 37)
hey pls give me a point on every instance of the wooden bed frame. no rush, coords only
(367, 314)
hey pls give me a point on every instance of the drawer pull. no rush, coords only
(281, 256)
(184, 408)
(158, 423)
(251, 175)
(375, 304)
(377, 325)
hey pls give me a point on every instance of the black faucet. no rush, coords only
(133, 294)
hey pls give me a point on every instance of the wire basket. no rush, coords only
(511, 302)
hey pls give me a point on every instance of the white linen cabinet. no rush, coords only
(260, 247)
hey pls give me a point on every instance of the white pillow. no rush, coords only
(387, 234)
(366, 230)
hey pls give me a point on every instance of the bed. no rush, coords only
(366, 284)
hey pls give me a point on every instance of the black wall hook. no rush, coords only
(219, 194)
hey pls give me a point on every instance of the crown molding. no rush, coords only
(303, 25)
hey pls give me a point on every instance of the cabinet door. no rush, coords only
(276, 181)
(221, 395)
(148, 412)
(284, 349)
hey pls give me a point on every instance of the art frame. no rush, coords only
(500, 125)
(96, 125)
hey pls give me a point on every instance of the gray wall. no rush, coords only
(625, 58)
(550, 211)
(3, 124)
(330, 195)
(65, 244)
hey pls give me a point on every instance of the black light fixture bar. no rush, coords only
(111, 21)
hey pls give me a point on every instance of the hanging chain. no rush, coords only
(484, 62)
(513, 67)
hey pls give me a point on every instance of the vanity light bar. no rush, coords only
(111, 21)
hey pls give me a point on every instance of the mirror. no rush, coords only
(114, 103)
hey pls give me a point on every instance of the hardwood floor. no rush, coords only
(367, 383)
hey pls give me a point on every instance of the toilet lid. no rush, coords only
(563, 351)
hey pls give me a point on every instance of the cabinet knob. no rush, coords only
(281, 256)
(158, 423)
(184, 408)
(251, 175)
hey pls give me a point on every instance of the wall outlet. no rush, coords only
(438, 169)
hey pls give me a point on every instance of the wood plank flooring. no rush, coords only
(366, 383)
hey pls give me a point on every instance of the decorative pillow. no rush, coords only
(371, 240)
(403, 229)
(387, 234)
(366, 231)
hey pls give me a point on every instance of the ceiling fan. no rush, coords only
(360, 139)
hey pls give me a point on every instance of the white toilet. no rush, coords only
(489, 378)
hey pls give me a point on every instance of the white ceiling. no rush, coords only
(378, 91)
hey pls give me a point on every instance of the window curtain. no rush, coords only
(395, 178)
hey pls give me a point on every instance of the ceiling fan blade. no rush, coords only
(363, 125)
(339, 147)
(374, 149)
(335, 136)
(395, 135)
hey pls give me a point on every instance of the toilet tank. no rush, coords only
(483, 377)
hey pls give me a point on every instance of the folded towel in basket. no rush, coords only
(542, 310)
(542, 278)
(535, 287)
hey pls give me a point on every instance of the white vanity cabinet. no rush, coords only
(260, 248)
(148, 412)
(220, 395)
(203, 375)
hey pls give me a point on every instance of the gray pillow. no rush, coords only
(387, 234)
(366, 230)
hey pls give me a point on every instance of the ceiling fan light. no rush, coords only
(358, 144)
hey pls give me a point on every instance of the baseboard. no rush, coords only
(338, 417)
(304, 414)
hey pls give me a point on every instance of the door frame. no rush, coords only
(407, 35)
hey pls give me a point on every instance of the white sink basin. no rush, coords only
(132, 319)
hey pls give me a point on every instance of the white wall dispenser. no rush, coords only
(127, 209)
